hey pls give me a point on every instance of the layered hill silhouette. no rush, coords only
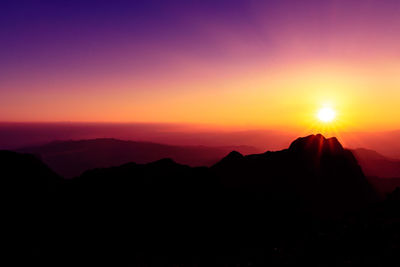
(310, 203)
(382, 172)
(375, 164)
(71, 158)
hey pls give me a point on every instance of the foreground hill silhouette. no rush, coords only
(72, 158)
(309, 203)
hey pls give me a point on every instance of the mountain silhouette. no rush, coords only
(309, 203)
(72, 158)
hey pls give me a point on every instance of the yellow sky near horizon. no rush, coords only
(286, 97)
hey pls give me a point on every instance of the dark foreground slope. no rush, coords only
(28, 188)
(307, 204)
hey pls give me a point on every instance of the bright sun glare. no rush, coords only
(326, 114)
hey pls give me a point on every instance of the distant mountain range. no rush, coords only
(72, 158)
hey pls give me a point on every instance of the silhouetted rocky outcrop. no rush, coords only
(311, 168)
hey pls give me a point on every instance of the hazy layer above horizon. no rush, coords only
(17, 135)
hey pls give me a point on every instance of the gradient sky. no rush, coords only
(234, 63)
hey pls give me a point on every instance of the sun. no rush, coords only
(326, 114)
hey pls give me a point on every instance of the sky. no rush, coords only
(248, 64)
